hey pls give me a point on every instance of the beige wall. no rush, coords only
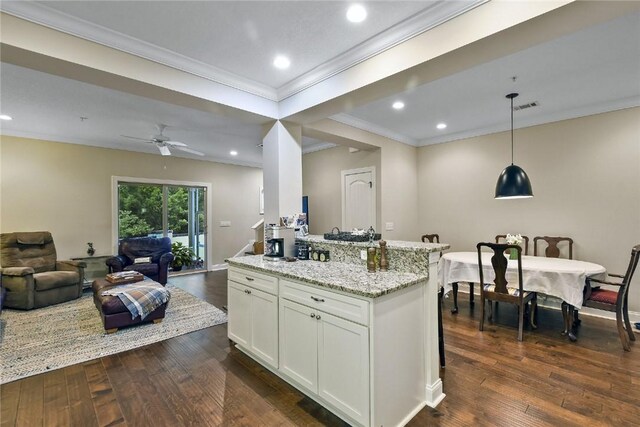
(585, 174)
(66, 189)
(398, 183)
(321, 181)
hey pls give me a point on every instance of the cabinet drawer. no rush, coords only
(254, 279)
(339, 305)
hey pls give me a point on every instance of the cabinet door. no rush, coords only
(239, 309)
(299, 344)
(343, 366)
(264, 326)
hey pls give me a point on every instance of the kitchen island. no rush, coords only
(363, 345)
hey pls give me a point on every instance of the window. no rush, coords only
(150, 209)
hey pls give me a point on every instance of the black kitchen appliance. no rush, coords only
(274, 248)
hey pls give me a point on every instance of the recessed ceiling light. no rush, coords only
(441, 126)
(281, 62)
(233, 152)
(356, 13)
(398, 105)
(5, 117)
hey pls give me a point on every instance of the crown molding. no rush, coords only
(46, 16)
(588, 110)
(428, 18)
(373, 128)
(312, 148)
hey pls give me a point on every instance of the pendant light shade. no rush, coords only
(513, 182)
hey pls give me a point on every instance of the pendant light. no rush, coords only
(513, 182)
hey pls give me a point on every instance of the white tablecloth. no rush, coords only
(558, 277)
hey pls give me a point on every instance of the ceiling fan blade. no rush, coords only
(175, 143)
(189, 150)
(136, 138)
(164, 150)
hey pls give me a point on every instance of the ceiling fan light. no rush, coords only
(164, 150)
(513, 183)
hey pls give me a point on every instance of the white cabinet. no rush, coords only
(343, 365)
(327, 356)
(299, 344)
(253, 321)
(364, 359)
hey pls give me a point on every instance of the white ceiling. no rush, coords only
(235, 42)
(588, 72)
(49, 107)
(591, 71)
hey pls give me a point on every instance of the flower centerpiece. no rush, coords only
(514, 239)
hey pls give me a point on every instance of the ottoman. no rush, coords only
(113, 311)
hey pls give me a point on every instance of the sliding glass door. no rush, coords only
(157, 210)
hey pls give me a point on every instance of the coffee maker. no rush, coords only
(279, 242)
(274, 248)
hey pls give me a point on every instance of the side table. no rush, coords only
(96, 268)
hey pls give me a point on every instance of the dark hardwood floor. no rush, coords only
(198, 379)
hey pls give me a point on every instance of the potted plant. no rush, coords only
(182, 256)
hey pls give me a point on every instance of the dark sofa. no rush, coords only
(134, 249)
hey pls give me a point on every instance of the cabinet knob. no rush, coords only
(318, 317)
(248, 291)
(317, 299)
(313, 315)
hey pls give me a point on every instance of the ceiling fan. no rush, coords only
(163, 142)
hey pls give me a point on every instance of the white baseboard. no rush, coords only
(554, 304)
(218, 267)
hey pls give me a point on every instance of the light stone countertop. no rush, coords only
(350, 278)
(391, 244)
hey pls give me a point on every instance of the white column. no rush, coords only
(282, 174)
(433, 383)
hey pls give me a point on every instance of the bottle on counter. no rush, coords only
(384, 262)
(371, 260)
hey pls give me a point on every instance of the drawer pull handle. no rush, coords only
(313, 315)
(317, 299)
(250, 279)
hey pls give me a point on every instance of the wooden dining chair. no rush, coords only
(501, 290)
(434, 238)
(454, 286)
(614, 300)
(552, 250)
(430, 238)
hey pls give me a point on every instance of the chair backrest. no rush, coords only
(137, 247)
(500, 237)
(430, 238)
(552, 250)
(500, 263)
(633, 263)
(33, 249)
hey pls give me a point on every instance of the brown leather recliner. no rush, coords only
(31, 274)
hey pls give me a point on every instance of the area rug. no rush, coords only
(41, 340)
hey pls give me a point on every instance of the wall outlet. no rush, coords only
(225, 223)
(363, 255)
(388, 226)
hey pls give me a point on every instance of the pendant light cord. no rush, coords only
(511, 96)
(512, 131)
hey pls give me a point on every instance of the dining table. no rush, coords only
(557, 277)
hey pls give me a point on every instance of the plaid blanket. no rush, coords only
(140, 298)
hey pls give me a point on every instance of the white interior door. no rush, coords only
(358, 199)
